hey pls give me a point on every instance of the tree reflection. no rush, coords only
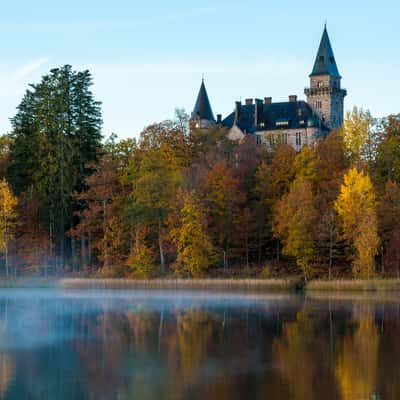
(356, 367)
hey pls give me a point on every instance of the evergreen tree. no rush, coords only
(56, 134)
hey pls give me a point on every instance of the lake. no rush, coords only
(112, 344)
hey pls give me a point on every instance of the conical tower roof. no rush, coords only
(325, 63)
(202, 108)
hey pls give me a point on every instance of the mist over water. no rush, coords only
(155, 344)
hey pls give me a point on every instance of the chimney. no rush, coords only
(257, 111)
(249, 102)
(292, 98)
(267, 101)
(238, 104)
(219, 118)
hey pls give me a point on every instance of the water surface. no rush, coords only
(137, 345)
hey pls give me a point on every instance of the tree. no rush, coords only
(155, 181)
(98, 213)
(56, 136)
(141, 259)
(359, 137)
(194, 248)
(356, 206)
(8, 205)
(388, 152)
(223, 199)
(389, 223)
(294, 222)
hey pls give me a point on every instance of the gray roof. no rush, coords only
(284, 115)
(202, 108)
(325, 63)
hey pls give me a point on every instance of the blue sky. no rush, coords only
(147, 58)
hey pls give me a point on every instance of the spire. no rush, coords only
(202, 108)
(325, 63)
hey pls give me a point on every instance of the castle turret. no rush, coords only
(325, 94)
(202, 115)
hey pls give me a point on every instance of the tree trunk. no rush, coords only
(160, 244)
(277, 251)
(330, 245)
(83, 250)
(105, 263)
(247, 251)
(6, 257)
(90, 250)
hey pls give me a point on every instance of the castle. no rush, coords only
(295, 122)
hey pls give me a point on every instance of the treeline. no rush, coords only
(191, 202)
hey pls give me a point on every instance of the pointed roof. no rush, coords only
(202, 108)
(325, 63)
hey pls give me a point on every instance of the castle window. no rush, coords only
(318, 104)
(320, 84)
(298, 139)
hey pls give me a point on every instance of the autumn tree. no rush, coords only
(360, 139)
(141, 259)
(272, 180)
(356, 207)
(294, 223)
(8, 205)
(389, 223)
(98, 215)
(223, 200)
(388, 152)
(194, 248)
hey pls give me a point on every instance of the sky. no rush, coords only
(147, 58)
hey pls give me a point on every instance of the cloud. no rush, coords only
(29, 68)
(13, 83)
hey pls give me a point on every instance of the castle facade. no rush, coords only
(294, 122)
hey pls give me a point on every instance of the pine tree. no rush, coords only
(56, 135)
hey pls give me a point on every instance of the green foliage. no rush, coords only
(55, 137)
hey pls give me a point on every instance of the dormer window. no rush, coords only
(321, 59)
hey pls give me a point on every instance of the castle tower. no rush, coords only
(202, 115)
(325, 95)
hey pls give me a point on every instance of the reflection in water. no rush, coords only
(357, 361)
(193, 345)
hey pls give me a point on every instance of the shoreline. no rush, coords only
(243, 284)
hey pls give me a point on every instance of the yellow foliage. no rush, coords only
(306, 164)
(356, 206)
(356, 132)
(141, 259)
(294, 220)
(8, 214)
(357, 363)
(194, 248)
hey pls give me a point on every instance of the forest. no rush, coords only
(179, 201)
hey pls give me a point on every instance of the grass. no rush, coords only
(354, 285)
(199, 284)
(27, 282)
